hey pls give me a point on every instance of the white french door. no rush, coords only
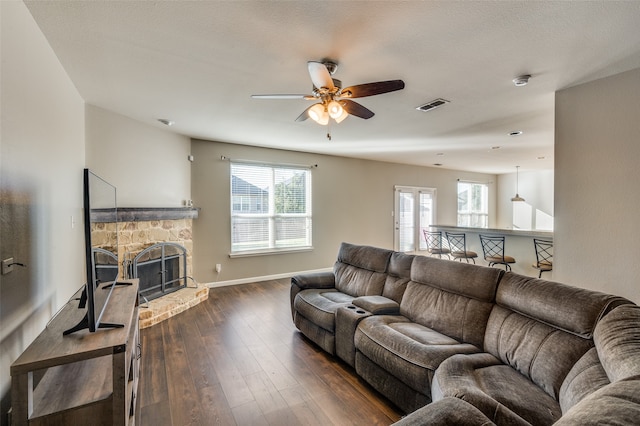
(414, 211)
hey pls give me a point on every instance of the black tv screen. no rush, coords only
(100, 215)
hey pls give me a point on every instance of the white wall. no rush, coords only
(352, 201)
(147, 164)
(41, 161)
(597, 157)
(536, 187)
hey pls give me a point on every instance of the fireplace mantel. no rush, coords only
(142, 214)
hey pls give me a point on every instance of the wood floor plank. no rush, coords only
(237, 359)
(152, 368)
(156, 414)
(249, 414)
(275, 370)
(215, 410)
(235, 388)
(202, 371)
(185, 409)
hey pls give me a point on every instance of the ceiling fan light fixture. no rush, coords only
(319, 114)
(335, 109)
(342, 116)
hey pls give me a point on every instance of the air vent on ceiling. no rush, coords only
(432, 105)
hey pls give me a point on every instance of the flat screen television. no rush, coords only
(100, 216)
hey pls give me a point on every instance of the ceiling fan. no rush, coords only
(334, 101)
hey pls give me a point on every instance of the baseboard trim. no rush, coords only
(263, 278)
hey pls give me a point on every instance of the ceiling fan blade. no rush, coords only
(305, 114)
(356, 109)
(320, 75)
(283, 96)
(370, 89)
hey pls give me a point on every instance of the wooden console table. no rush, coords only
(83, 378)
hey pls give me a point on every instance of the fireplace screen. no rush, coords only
(161, 269)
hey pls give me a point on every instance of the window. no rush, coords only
(270, 208)
(473, 204)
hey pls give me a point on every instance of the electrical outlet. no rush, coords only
(7, 266)
(218, 267)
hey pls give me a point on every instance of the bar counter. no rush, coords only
(518, 243)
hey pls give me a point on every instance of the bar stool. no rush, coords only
(458, 246)
(493, 248)
(544, 255)
(434, 243)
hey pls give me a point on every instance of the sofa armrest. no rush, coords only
(314, 280)
(377, 305)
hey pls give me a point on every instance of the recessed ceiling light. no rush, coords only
(521, 80)
(166, 122)
(515, 133)
(495, 147)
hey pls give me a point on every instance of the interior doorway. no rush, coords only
(414, 210)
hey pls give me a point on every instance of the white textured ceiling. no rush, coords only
(198, 62)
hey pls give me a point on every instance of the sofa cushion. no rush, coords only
(374, 259)
(542, 328)
(361, 270)
(584, 378)
(574, 310)
(473, 281)
(614, 404)
(409, 351)
(319, 306)
(617, 339)
(538, 351)
(398, 275)
(503, 394)
(452, 298)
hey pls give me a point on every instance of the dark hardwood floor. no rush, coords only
(237, 359)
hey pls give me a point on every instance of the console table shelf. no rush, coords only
(81, 378)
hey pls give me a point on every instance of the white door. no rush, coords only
(414, 211)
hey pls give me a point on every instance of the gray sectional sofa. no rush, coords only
(454, 343)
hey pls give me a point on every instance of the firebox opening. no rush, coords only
(161, 269)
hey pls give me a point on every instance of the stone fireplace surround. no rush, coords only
(139, 228)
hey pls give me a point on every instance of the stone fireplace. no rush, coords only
(141, 228)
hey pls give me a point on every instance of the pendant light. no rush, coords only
(517, 197)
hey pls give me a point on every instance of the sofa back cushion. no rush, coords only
(542, 328)
(361, 270)
(450, 297)
(398, 275)
(584, 378)
(617, 339)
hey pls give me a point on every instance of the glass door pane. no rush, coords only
(414, 211)
(426, 216)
